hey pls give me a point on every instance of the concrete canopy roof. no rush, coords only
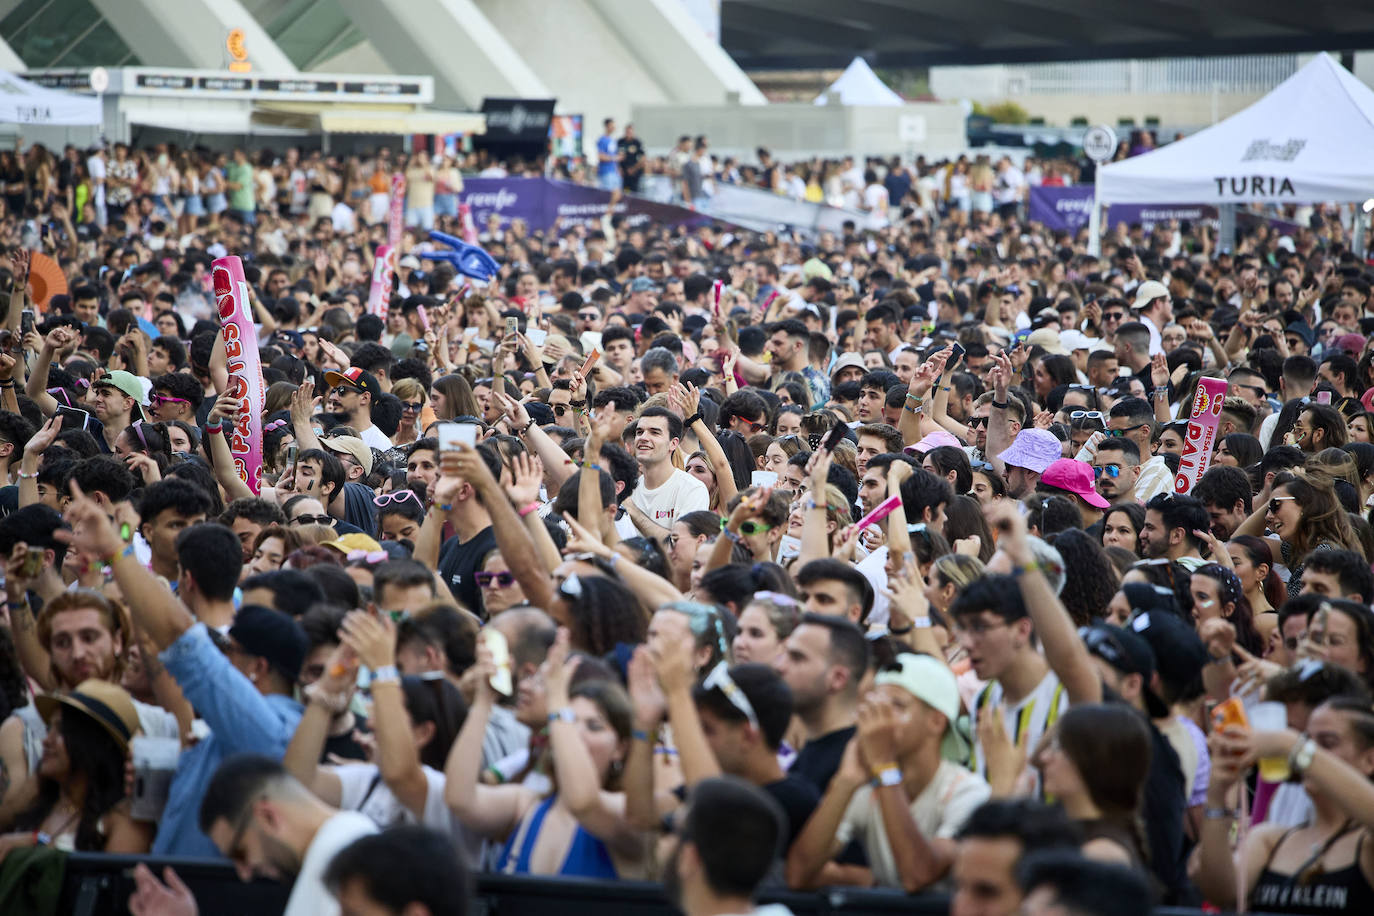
(800, 34)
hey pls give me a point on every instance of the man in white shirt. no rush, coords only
(270, 826)
(95, 165)
(665, 493)
(1155, 308)
(351, 392)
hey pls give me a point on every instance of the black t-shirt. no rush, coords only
(798, 798)
(631, 151)
(1163, 809)
(346, 746)
(458, 560)
(818, 761)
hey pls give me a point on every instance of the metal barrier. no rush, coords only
(100, 885)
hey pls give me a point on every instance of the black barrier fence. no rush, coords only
(100, 885)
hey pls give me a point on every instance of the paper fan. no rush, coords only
(45, 280)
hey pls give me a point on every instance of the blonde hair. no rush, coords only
(957, 569)
(408, 389)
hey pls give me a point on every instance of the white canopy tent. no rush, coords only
(22, 102)
(1307, 141)
(859, 85)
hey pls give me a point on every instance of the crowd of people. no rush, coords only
(704, 557)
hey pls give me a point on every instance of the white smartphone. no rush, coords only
(452, 435)
(537, 336)
(500, 680)
(763, 479)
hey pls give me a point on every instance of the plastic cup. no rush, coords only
(155, 763)
(1271, 717)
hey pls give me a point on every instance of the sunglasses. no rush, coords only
(749, 527)
(1113, 316)
(1274, 506)
(719, 679)
(412, 406)
(313, 520)
(754, 425)
(588, 316)
(1111, 470)
(977, 422)
(1088, 416)
(503, 579)
(1118, 433)
(398, 496)
(160, 399)
(561, 409)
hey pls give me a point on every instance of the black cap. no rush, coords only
(1128, 653)
(272, 635)
(1179, 652)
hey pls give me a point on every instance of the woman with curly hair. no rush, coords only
(1121, 526)
(1086, 593)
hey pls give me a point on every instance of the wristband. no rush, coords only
(335, 703)
(917, 410)
(592, 467)
(1219, 814)
(887, 775)
(563, 715)
(212, 428)
(915, 397)
(128, 551)
(387, 674)
(25, 475)
(1000, 405)
(524, 429)
(639, 734)
(577, 404)
(732, 536)
(532, 507)
(1021, 569)
(945, 388)
(1301, 756)
(692, 419)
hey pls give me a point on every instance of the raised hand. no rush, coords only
(650, 706)
(877, 730)
(372, 639)
(1044, 419)
(527, 474)
(1159, 370)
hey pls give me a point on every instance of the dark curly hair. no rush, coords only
(603, 613)
(95, 753)
(1094, 580)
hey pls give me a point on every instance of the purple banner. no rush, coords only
(1063, 209)
(545, 204)
(1068, 208)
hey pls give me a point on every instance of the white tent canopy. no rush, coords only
(22, 102)
(1307, 141)
(859, 85)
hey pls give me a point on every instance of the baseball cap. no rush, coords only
(642, 285)
(126, 382)
(1352, 344)
(1128, 653)
(1034, 449)
(354, 541)
(1180, 654)
(354, 377)
(410, 261)
(932, 440)
(1147, 292)
(1075, 340)
(1048, 340)
(272, 635)
(108, 704)
(931, 682)
(848, 361)
(359, 450)
(1075, 477)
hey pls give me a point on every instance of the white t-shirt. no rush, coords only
(1035, 713)
(939, 812)
(309, 897)
(386, 810)
(874, 569)
(680, 494)
(374, 438)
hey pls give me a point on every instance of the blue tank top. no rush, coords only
(587, 856)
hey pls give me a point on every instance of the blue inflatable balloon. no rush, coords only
(468, 260)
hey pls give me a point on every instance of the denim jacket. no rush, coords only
(241, 721)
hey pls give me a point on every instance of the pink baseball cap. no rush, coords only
(1074, 477)
(934, 440)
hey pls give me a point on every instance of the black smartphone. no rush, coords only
(956, 353)
(833, 439)
(26, 321)
(74, 417)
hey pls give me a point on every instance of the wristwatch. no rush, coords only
(889, 775)
(1301, 757)
(563, 715)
